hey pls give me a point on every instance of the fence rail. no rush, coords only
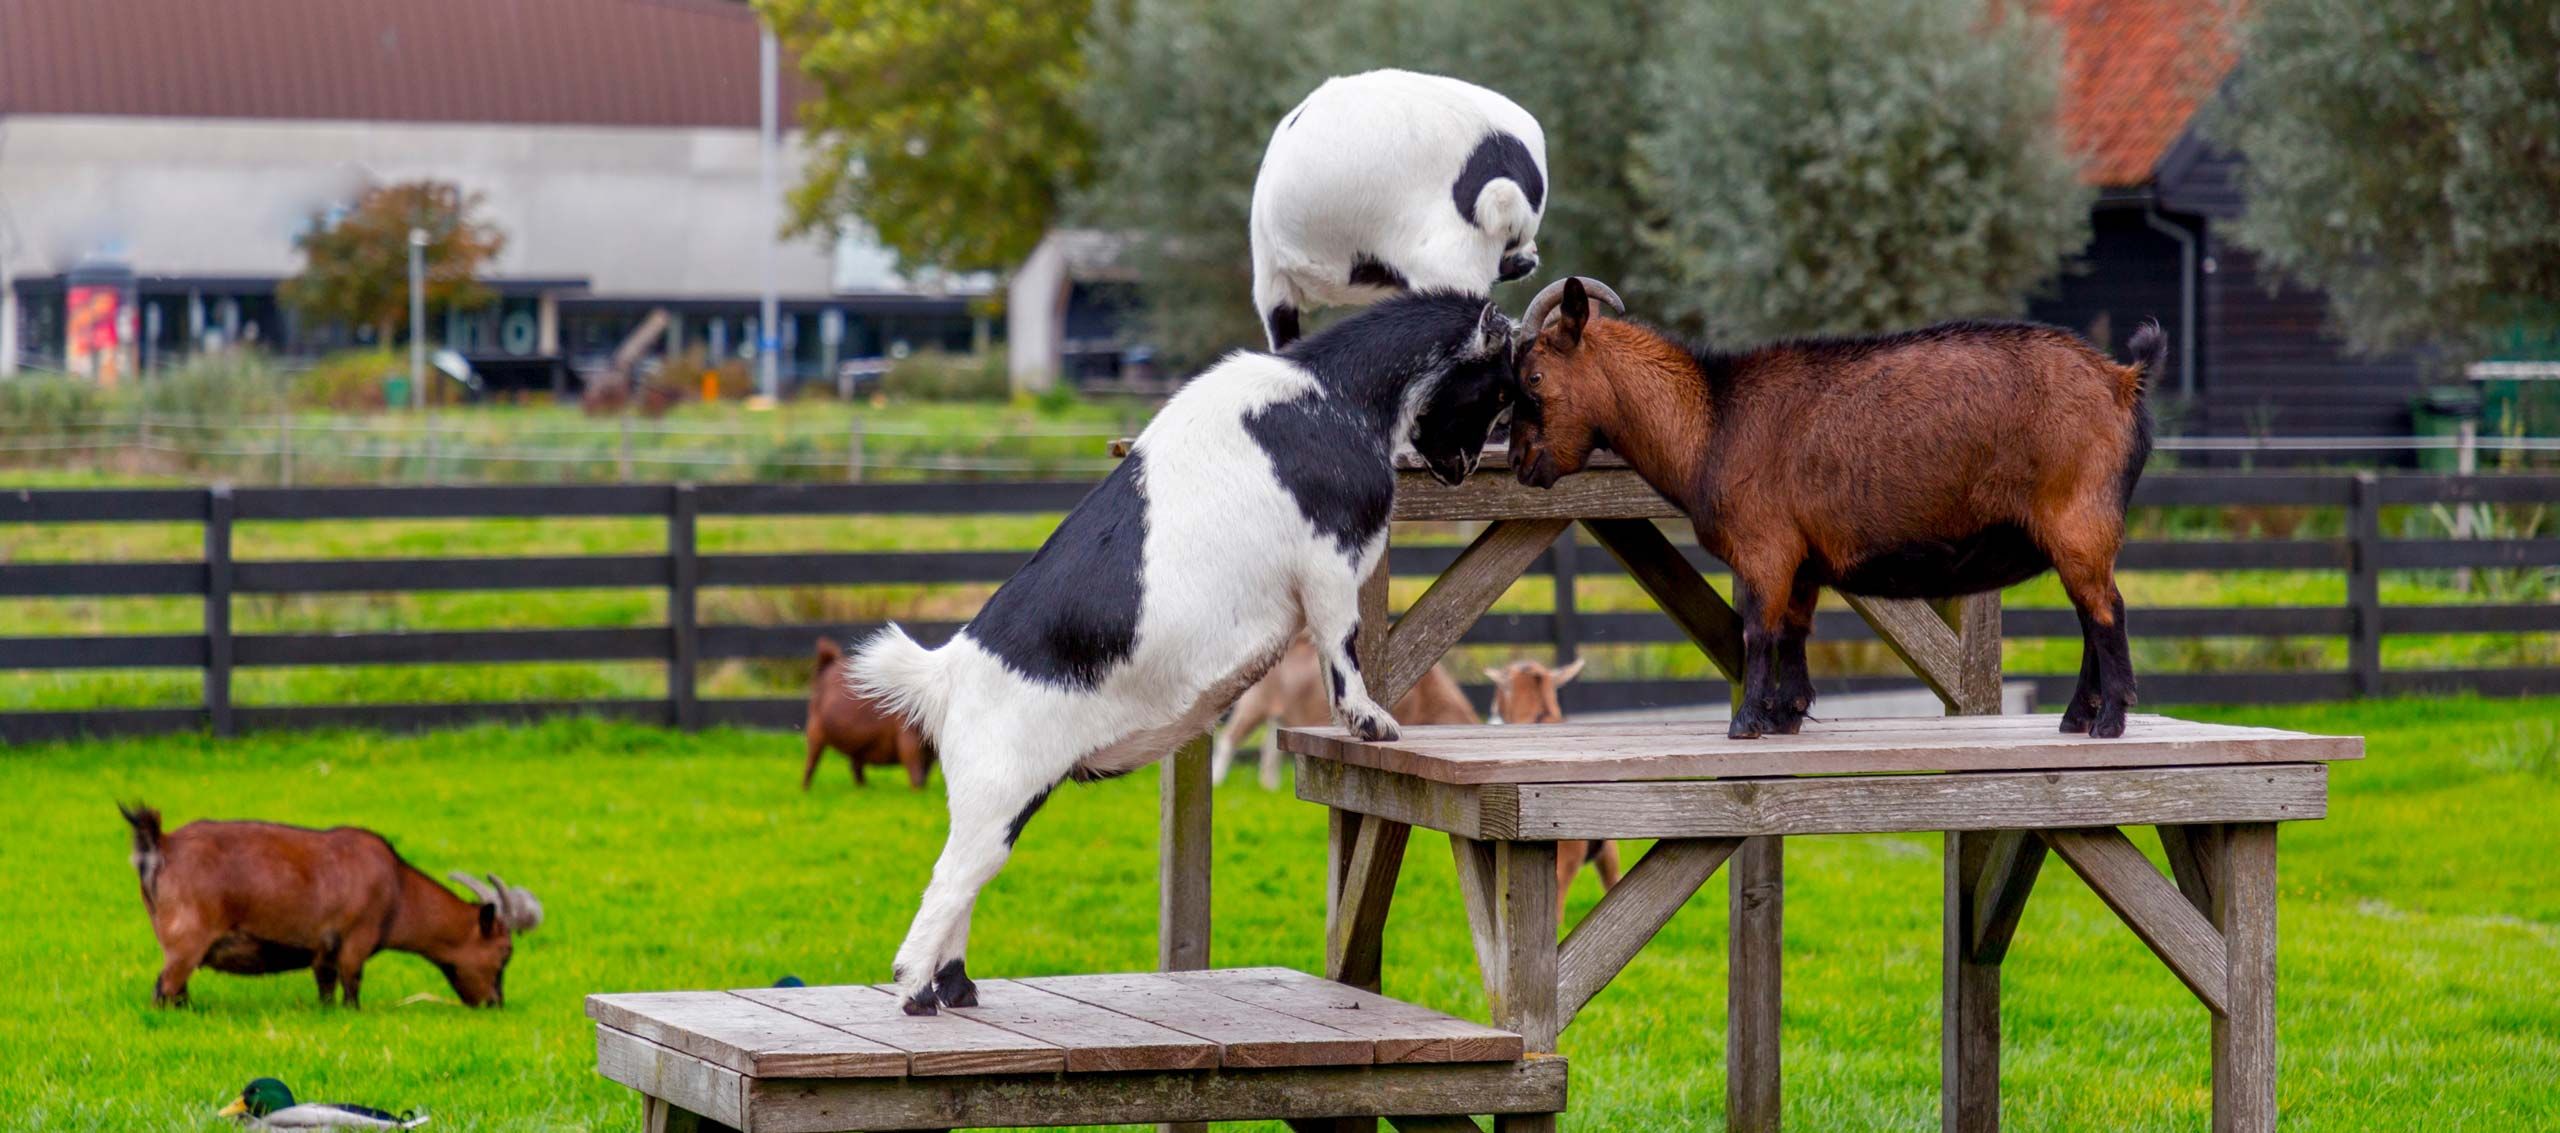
(685, 643)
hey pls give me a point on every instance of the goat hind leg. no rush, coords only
(986, 817)
(2101, 703)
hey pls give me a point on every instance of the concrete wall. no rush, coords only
(643, 212)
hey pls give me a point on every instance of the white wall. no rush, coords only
(661, 213)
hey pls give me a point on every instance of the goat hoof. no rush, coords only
(2107, 727)
(953, 987)
(1741, 729)
(921, 1003)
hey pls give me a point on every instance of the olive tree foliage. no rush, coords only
(1184, 95)
(2404, 156)
(949, 128)
(355, 269)
(1842, 166)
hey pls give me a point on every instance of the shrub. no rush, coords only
(215, 388)
(350, 381)
(931, 375)
(46, 405)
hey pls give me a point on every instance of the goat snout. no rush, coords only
(1518, 265)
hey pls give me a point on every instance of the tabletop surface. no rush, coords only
(1232, 1018)
(1694, 749)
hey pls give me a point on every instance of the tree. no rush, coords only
(356, 269)
(1184, 95)
(2404, 157)
(1829, 166)
(949, 128)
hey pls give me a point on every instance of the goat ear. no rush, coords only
(1573, 309)
(1569, 672)
(488, 919)
(1496, 676)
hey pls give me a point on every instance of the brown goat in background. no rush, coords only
(1292, 695)
(1524, 692)
(847, 721)
(1939, 462)
(253, 898)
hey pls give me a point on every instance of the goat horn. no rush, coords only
(518, 908)
(473, 884)
(1535, 318)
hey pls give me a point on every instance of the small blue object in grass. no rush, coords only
(266, 1104)
(789, 981)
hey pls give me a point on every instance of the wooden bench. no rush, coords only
(1234, 1045)
(2002, 789)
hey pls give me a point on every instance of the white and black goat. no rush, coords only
(1249, 510)
(1393, 181)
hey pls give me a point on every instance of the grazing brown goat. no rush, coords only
(847, 721)
(1293, 694)
(1934, 463)
(252, 898)
(1524, 692)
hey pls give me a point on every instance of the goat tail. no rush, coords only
(2150, 347)
(905, 678)
(1503, 209)
(146, 844)
(828, 654)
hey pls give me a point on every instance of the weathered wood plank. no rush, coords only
(2244, 1033)
(1969, 997)
(1402, 1032)
(1356, 941)
(1674, 585)
(1094, 1039)
(1461, 594)
(1976, 620)
(2189, 849)
(1403, 798)
(1524, 896)
(1628, 916)
(745, 1036)
(2000, 886)
(935, 1045)
(1682, 750)
(1921, 638)
(701, 1087)
(1474, 862)
(1596, 494)
(2156, 912)
(1183, 854)
(832, 1106)
(1891, 803)
(1247, 1036)
(1443, 1124)
(1755, 947)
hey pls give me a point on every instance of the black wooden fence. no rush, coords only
(685, 644)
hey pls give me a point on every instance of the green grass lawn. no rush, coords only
(2420, 933)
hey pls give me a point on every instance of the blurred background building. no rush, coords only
(159, 157)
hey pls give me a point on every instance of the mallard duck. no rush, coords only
(267, 1104)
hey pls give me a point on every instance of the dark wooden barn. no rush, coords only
(2253, 353)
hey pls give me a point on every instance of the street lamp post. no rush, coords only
(417, 318)
(769, 322)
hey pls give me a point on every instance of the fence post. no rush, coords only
(1568, 615)
(853, 453)
(684, 577)
(2364, 583)
(218, 510)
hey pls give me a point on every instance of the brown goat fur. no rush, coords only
(1939, 462)
(847, 721)
(252, 898)
(1292, 693)
(1524, 692)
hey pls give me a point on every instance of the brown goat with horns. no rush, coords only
(1939, 462)
(254, 898)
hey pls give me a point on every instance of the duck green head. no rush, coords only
(260, 1098)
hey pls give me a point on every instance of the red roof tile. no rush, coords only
(559, 62)
(2133, 74)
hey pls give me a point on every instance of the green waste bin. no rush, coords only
(395, 391)
(2440, 412)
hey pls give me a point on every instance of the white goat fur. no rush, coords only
(1364, 167)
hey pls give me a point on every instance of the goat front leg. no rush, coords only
(1333, 624)
(1791, 677)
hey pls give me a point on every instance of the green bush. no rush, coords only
(350, 381)
(215, 387)
(931, 375)
(47, 405)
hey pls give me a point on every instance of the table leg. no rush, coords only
(1751, 992)
(2244, 1037)
(1969, 1037)
(1182, 932)
(1524, 988)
